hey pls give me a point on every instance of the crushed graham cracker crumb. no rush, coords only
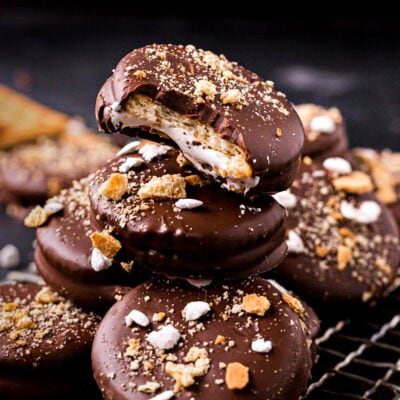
(115, 187)
(37, 217)
(294, 304)
(236, 376)
(220, 340)
(254, 304)
(355, 182)
(231, 96)
(343, 256)
(164, 187)
(106, 243)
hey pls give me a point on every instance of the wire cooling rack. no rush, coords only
(359, 357)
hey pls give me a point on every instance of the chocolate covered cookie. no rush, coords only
(45, 344)
(237, 340)
(233, 127)
(343, 242)
(30, 173)
(66, 258)
(384, 169)
(324, 131)
(170, 219)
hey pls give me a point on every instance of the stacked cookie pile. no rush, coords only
(190, 224)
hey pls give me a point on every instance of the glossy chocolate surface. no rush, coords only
(171, 74)
(63, 255)
(316, 273)
(45, 345)
(281, 373)
(226, 237)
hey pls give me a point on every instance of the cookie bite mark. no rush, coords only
(223, 117)
(221, 352)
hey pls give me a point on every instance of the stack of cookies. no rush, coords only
(178, 228)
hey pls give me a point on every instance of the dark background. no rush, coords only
(60, 54)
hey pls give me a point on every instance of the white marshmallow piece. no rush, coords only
(99, 261)
(337, 165)
(129, 163)
(166, 338)
(286, 199)
(322, 123)
(195, 310)
(167, 395)
(368, 212)
(261, 346)
(137, 317)
(53, 207)
(131, 147)
(9, 256)
(151, 151)
(294, 243)
(188, 204)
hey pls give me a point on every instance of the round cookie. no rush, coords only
(324, 131)
(66, 259)
(45, 344)
(30, 173)
(233, 340)
(173, 221)
(384, 168)
(343, 243)
(234, 127)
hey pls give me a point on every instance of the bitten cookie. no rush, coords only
(234, 340)
(45, 344)
(343, 243)
(65, 256)
(384, 168)
(173, 221)
(233, 126)
(324, 131)
(30, 173)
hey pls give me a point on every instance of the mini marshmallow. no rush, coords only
(261, 346)
(322, 123)
(286, 199)
(151, 151)
(53, 207)
(166, 338)
(195, 310)
(99, 261)
(129, 163)
(129, 148)
(138, 318)
(294, 243)
(368, 212)
(9, 256)
(187, 204)
(337, 165)
(167, 395)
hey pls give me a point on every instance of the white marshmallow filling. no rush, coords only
(200, 144)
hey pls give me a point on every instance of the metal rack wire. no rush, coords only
(359, 357)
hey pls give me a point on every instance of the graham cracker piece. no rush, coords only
(23, 119)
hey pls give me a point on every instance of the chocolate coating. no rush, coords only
(282, 373)
(263, 123)
(343, 259)
(45, 345)
(384, 169)
(63, 255)
(320, 144)
(30, 173)
(226, 237)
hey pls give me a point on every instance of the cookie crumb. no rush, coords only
(237, 376)
(115, 187)
(254, 304)
(106, 243)
(164, 187)
(294, 304)
(355, 182)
